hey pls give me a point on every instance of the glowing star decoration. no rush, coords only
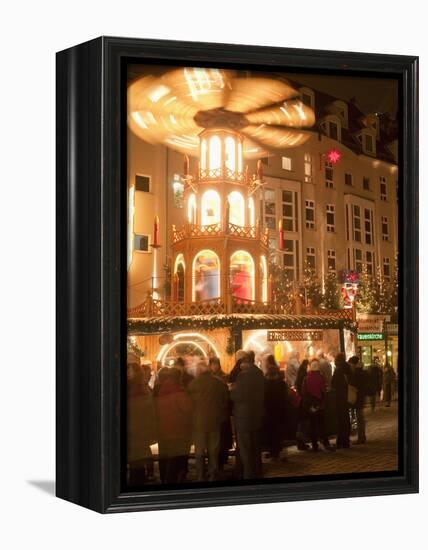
(333, 156)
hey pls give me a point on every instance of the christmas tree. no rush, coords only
(366, 295)
(310, 288)
(282, 286)
(331, 297)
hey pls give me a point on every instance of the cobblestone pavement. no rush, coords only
(380, 453)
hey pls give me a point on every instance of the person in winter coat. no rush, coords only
(376, 380)
(226, 438)
(339, 384)
(210, 409)
(233, 375)
(292, 368)
(185, 376)
(275, 411)
(360, 380)
(141, 423)
(325, 369)
(388, 384)
(247, 396)
(174, 416)
(302, 414)
(313, 396)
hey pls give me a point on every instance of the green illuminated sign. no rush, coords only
(370, 336)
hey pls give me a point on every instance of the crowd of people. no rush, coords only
(253, 409)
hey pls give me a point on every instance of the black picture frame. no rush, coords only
(91, 271)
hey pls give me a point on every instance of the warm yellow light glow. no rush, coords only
(158, 93)
(179, 260)
(237, 208)
(168, 347)
(263, 265)
(131, 213)
(242, 275)
(197, 335)
(215, 153)
(191, 209)
(204, 154)
(252, 211)
(210, 207)
(206, 276)
(239, 156)
(229, 144)
(138, 119)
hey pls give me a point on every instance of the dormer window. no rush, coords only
(372, 122)
(308, 97)
(340, 109)
(367, 138)
(332, 127)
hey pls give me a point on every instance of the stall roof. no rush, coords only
(153, 325)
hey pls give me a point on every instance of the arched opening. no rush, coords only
(264, 278)
(237, 208)
(242, 276)
(210, 207)
(206, 276)
(178, 281)
(203, 154)
(191, 209)
(191, 346)
(251, 211)
(230, 150)
(215, 153)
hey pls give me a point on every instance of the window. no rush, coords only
(251, 212)
(331, 259)
(329, 175)
(286, 163)
(308, 97)
(334, 131)
(142, 183)
(332, 128)
(215, 153)
(348, 179)
(206, 276)
(290, 258)
(178, 191)
(310, 214)
(366, 184)
(141, 243)
(382, 182)
(369, 143)
(289, 218)
(330, 217)
(358, 259)
(270, 209)
(308, 167)
(357, 223)
(385, 229)
(368, 225)
(386, 269)
(264, 278)
(369, 262)
(229, 146)
(237, 208)
(242, 275)
(310, 257)
(191, 208)
(210, 207)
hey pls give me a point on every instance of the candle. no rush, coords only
(259, 170)
(156, 231)
(281, 235)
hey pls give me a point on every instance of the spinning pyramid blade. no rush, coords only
(274, 137)
(249, 94)
(292, 113)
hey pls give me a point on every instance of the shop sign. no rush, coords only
(293, 335)
(370, 336)
(371, 323)
(392, 329)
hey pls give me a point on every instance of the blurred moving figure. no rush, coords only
(388, 384)
(210, 409)
(174, 415)
(339, 383)
(141, 422)
(275, 410)
(360, 380)
(376, 381)
(226, 437)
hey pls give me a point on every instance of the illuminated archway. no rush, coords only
(215, 153)
(252, 211)
(230, 150)
(199, 341)
(206, 276)
(191, 208)
(179, 271)
(264, 278)
(242, 276)
(210, 207)
(203, 154)
(237, 208)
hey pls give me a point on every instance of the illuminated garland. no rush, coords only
(149, 325)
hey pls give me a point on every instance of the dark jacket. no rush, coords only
(360, 380)
(339, 384)
(248, 399)
(376, 376)
(234, 373)
(210, 402)
(276, 398)
(301, 374)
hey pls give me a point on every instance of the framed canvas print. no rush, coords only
(236, 274)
